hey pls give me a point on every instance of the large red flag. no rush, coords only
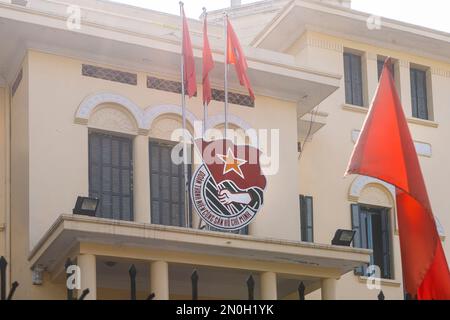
(235, 55)
(386, 151)
(189, 61)
(208, 64)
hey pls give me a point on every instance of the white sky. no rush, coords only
(429, 13)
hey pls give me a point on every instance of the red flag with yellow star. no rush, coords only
(226, 161)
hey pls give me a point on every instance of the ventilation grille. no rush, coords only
(218, 95)
(109, 74)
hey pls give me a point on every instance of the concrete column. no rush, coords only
(159, 280)
(141, 179)
(329, 289)
(370, 73)
(87, 264)
(268, 286)
(405, 87)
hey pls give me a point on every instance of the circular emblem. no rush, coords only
(227, 190)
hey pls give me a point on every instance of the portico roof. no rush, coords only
(73, 234)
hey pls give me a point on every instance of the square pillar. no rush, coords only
(329, 289)
(159, 280)
(370, 74)
(141, 179)
(88, 275)
(405, 86)
(268, 286)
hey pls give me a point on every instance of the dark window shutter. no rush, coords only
(306, 219)
(386, 234)
(111, 175)
(380, 64)
(353, 79)
(348, 78)
(359, 226)
(166, 186)
(357, 81)
(419, 98)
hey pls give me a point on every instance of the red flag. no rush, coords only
(235, 55)
(208, 64)
(386, 151)
(189, 61)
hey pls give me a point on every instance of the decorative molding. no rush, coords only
(151, 113)
(143, 119)
(361, 182)
(86, 108)
(111, 118)
(440, 72)
(351, 107)
(404, 64)
(234, 98)
(109, 74)
(422, 148)
(17, 82)
(325, 44)
(2, 227)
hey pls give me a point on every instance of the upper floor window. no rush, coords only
(306, 219)
(353, 79)
(166, 186)
(111, 175)
(380, 65)
(419, 94)
(372, 226)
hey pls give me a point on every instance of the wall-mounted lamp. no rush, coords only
(86, 206)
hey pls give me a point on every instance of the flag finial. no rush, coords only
(181, 3)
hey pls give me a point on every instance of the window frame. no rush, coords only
(354, 91)
(306, 229)
(361, 237)
(416, 109)
(92, 193)
(171, 144)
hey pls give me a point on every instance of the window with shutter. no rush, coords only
(419, 97)
(353, 79)
(306, 219)
(372, 226)
(111, 174)
(380, 64)
(166, 186)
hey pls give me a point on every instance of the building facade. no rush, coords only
(89, 109)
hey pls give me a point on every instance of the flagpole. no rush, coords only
(225, 22)
(183, 111)
(205, 109)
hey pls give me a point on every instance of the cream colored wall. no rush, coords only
(325, 158)
(59, 149)
(3, 156)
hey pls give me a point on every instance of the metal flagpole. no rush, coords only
(183, 107)
(225, 22)
(205, 106)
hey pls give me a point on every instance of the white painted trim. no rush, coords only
(361, 182)
(151, 113)
(88, 105)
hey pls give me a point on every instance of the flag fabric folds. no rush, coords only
(188, 59)
(208, 64)
(235, 55)
(385, 150)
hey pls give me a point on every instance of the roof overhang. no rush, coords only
(301, 15)
(72, 231)
(148, 44)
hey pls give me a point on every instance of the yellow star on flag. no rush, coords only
(232, 163)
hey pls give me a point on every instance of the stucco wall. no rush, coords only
(325, 158)
(59, 147)
(3, 157)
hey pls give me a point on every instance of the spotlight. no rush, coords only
(86, 206)
(343, 238)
